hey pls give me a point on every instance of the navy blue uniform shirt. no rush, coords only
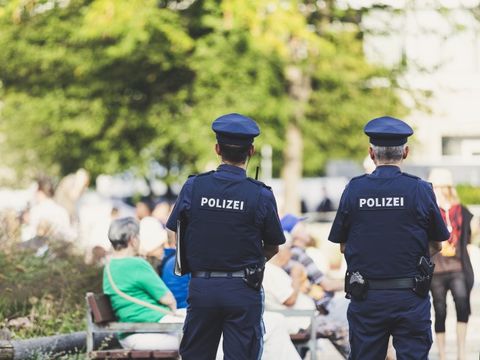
(386, 220)
(265, 214)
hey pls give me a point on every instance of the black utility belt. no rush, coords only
(218, 274)
(252, 275)
(391, 284)
(356, 286)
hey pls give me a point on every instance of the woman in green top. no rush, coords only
(136, 278)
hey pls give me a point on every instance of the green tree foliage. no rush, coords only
(111, 84)
(80, 80)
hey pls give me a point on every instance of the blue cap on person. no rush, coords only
(289, 221)
(388, 131)
(235, 129)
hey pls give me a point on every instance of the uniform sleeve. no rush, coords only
(437, 230)
(340, 227)
(150, 282)
(183, 203)
(272, 232)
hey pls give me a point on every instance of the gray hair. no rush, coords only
(388, 154)
(121, 231)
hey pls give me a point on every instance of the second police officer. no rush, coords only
(232, 229)
(385, 224)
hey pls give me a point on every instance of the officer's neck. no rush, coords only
(240, 165)
(397, 164)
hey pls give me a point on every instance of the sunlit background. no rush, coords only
(112, 101)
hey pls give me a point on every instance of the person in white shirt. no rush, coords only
(289, 292)
(47, 214)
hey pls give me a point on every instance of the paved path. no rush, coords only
(473, 337)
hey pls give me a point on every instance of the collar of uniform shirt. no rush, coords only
(231, 169)
(386, 170)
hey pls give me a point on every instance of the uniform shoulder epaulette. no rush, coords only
(411, 176)
(358, 177)
(258, 182)
(202, 174)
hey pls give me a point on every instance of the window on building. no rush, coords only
(465, 146)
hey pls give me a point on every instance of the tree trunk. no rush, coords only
(293, 152)
(292, 169)
(54, 346)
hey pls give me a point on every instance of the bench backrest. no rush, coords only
(101, 308)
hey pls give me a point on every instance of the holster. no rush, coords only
(424, 279)
(253, 276)
(356, 287)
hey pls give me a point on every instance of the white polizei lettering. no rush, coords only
(382, 202)
(222, 203)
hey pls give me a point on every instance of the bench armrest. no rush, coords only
(139, 327)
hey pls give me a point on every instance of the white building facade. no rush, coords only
(440, 43)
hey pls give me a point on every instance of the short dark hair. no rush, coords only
(46, 186)
(234, 153)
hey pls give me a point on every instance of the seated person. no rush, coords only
(322, 288)
(135, 277)
(177, 284)
(284, 292)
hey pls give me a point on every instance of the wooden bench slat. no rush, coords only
(101, 308)
(98, 355)
(119, 354)
(134, 354)
(143, 327)
(141, 354)
(167, 354)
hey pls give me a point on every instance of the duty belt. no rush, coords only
(400, 283)
(218, 274)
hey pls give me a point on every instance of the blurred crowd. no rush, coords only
(303, 275)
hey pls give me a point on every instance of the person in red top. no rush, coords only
(453, 269)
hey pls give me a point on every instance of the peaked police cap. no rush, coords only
(235, 129)
(388, 131)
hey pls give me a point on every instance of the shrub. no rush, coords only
(47, 290)
(468, 194)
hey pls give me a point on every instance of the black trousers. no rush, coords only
(455, 282)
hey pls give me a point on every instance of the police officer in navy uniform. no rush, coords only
(233, 228)
(388, 225)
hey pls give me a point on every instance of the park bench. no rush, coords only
(304, 339)
(101, 319)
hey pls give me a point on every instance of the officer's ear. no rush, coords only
(251, 151)
(405, 152)
(371, 153)
(217, 149)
